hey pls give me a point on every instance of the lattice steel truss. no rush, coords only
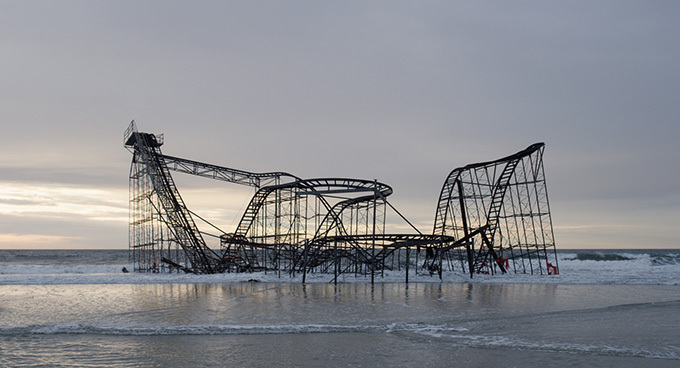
(509, 199)
(491, 216)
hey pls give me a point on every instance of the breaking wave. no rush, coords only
(653, 267)
(459, 336)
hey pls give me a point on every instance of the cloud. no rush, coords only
(12, 241)
(63, 202)
(397, 91)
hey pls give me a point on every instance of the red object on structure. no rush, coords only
(552, 270)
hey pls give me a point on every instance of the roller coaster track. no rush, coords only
(313, 224)
(492, 216)
(319, 188)
(215, 172)
(332, 220)
(447, 192)
(146, 149)
(453, 196)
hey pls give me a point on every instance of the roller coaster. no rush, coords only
(492, 217)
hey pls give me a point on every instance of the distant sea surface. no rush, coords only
(65, 308)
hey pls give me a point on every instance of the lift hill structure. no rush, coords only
(491, 217)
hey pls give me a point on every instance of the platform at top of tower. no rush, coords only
(150, 140)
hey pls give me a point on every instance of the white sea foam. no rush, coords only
(59, 269)
(513, 343)
(240, 329)
(576, 267)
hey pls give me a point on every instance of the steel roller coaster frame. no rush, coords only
(492, 217)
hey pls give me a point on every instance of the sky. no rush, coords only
(398, 91)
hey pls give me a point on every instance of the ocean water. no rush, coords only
(63, 308)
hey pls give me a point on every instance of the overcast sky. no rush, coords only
(402, 92)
